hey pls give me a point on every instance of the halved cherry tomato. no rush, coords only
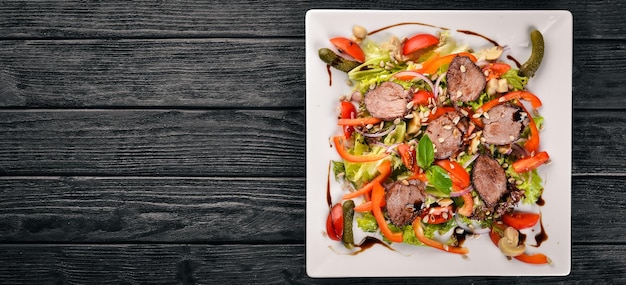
(520, 220)
(407, 155)
(431, 66)
(418, 42)
(421, 97)
(349, 47)
(334, 222)
(531, 162)
(458, 174)
(348, 111)
(515, 95)
(495, 70)
(436, 215)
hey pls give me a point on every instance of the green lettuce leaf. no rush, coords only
(367, 222)
(532, 184)
(514, 79)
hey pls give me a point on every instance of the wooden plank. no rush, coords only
(216, 142)
(215, 73)
(183, 73)
(69, 19)
(153, 142)
(219, 210)
(242, 264)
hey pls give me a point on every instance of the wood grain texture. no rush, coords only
(242, 264)
(218, 210)
(215, 142)
(185, 73)
(216, 73)
(73, 19)
(153, 142)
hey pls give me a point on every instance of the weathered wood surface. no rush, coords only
(139, 142)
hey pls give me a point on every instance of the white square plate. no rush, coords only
(552, 83)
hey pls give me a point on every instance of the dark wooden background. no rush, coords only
(163, 142)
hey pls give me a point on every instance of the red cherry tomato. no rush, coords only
(407, 155)
(334, 222)
(349, 47)
(418, 42)
(436, 215)
(348, 111)
(520, 220)
(422, 96)
(495, 70)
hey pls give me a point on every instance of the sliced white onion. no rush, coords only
(436, 90)
(470, 161)
(376, 135)
(418, 75)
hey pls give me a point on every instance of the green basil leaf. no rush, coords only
(425, 152)
(439, 178)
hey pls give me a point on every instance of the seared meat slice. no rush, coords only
(404, 201)
(503, 124)
(489, 180)
(465, 80)
(445, 134)
(388, 101)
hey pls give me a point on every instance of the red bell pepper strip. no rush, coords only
(537, 258)
(348, 111)
(515, 95)
(384, 170)
(418, 42)
(531, 162)
(520, 220)
(358, 121)
(338, 140)
(431, 66)
(440, 111)
(419, 233)
(378, 194)
(495, 70)
(458, 174)
(348, 46)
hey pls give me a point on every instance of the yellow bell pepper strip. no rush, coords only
(431, 66)
(378, 194)
(349, 47)
(419, 233)
(531, 162)
(384, 170)
(338, 140)
(358, 121)
(515, 95)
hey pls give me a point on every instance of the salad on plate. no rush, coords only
(438, 142)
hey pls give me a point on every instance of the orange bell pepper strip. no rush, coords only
(515, 95)
(419, 233)
(367, 206)
(431, 66)
(358, 121)
(468, 205)
(531, 162)
(537, 258)
(338, 140)
(440, 111)
(348, 46)
(378, 194)
(532, 144)
(384, 170)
